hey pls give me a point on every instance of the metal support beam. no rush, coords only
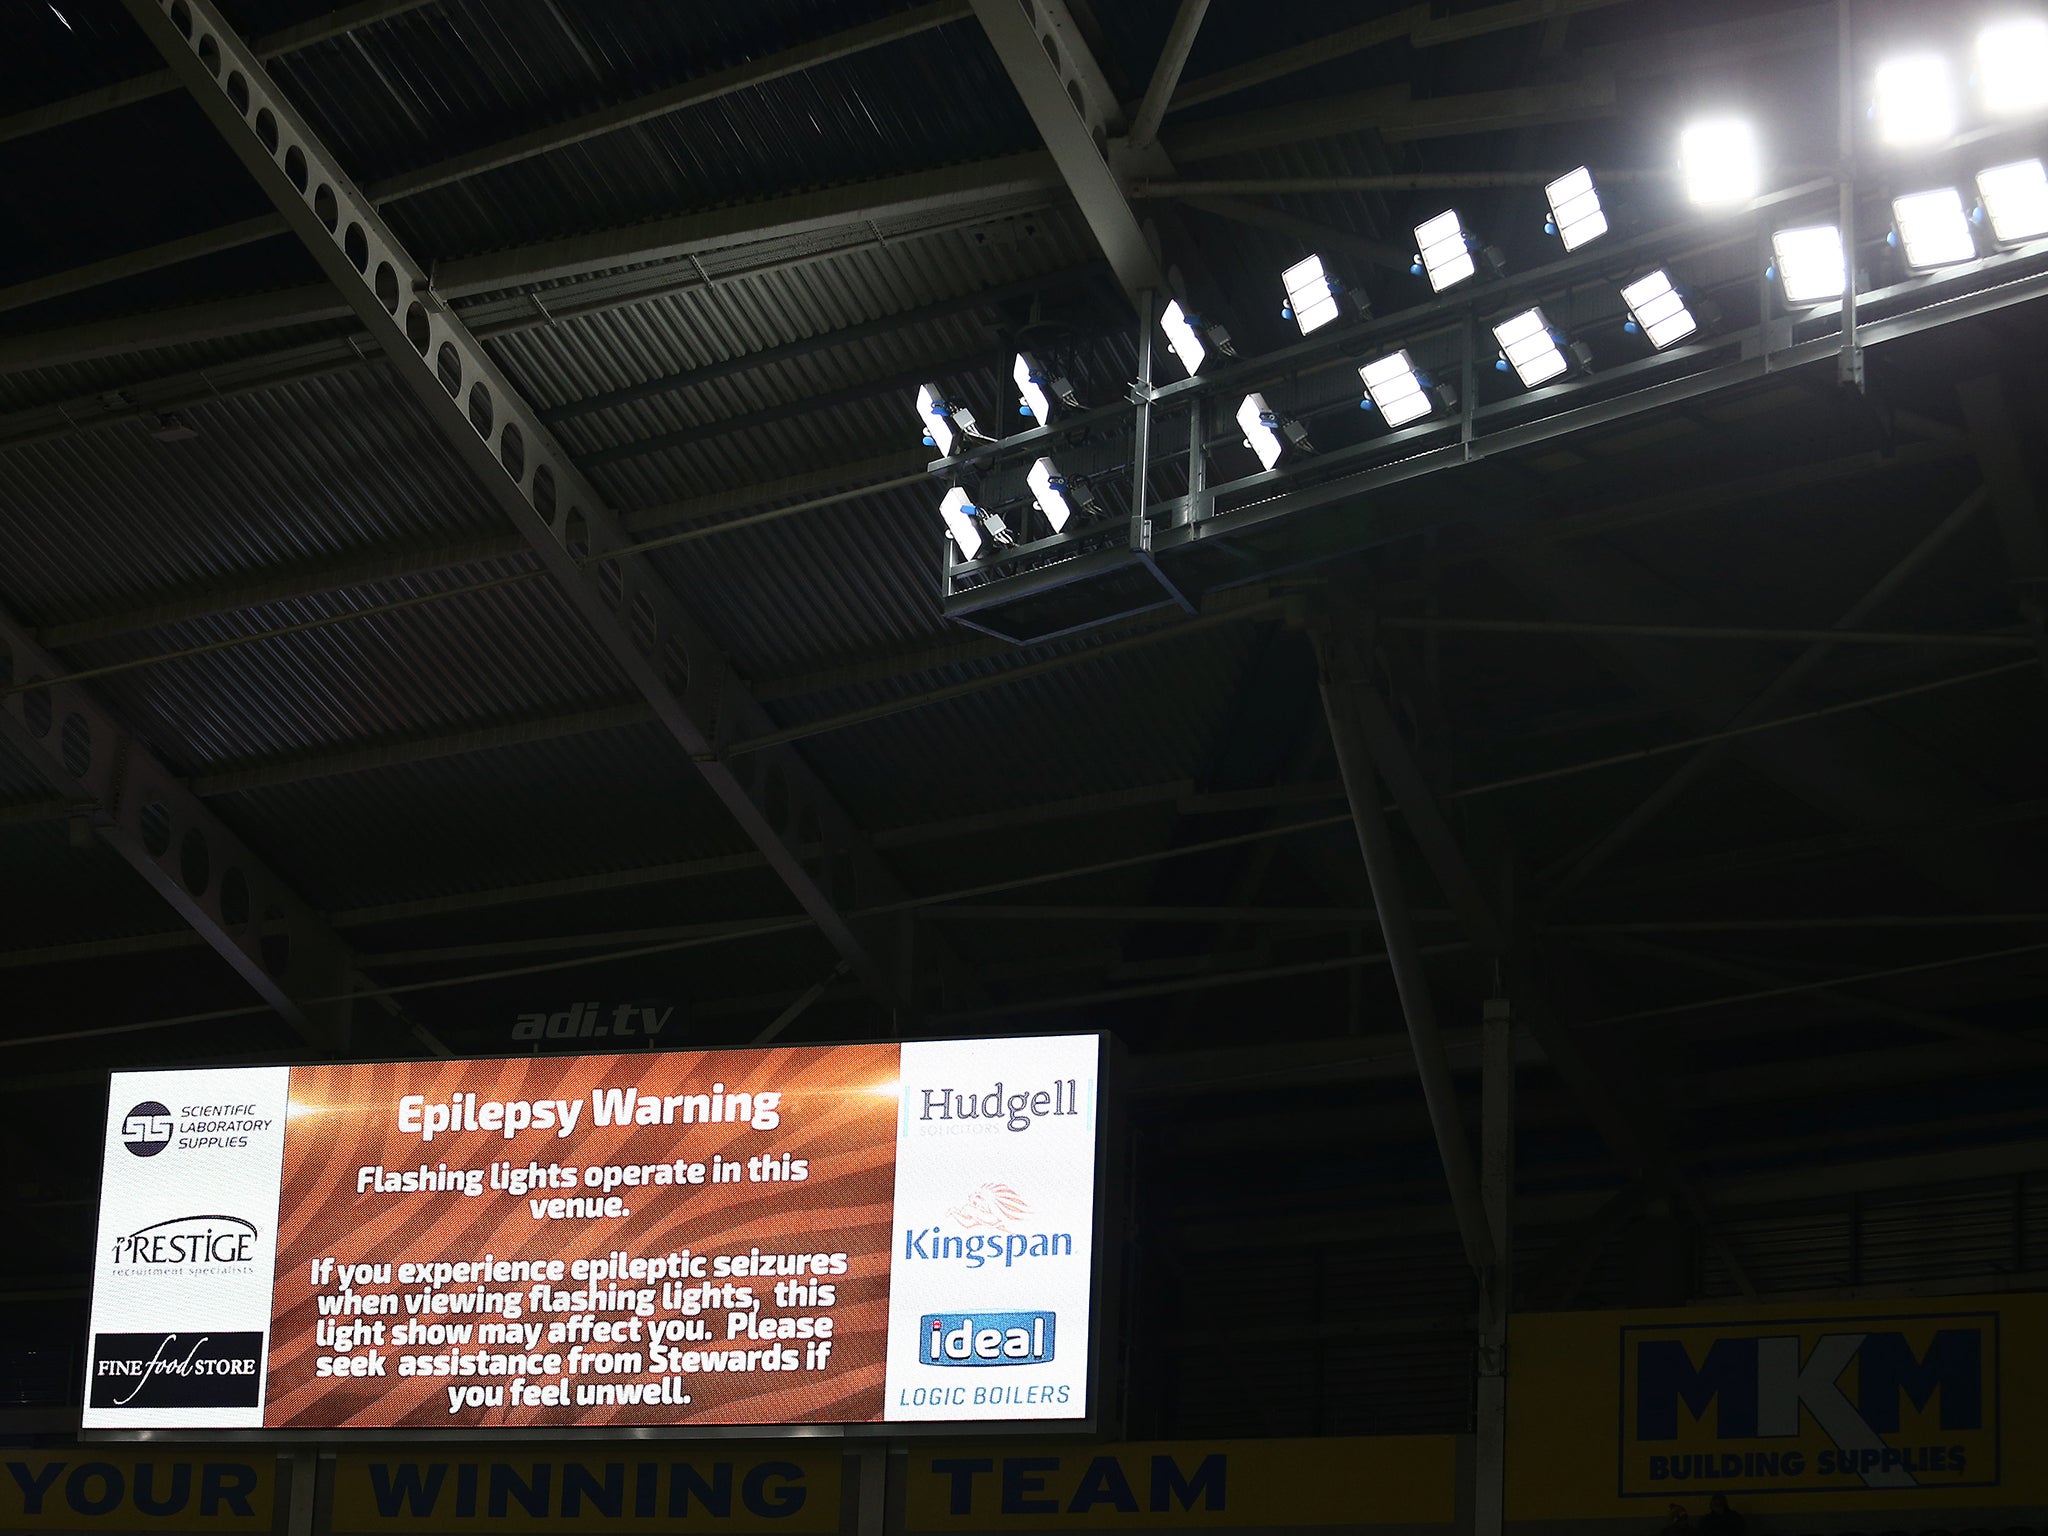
(1497, 1186)
(1759, 707)
(1173, 58)
(275, 940)
(1345, 684)
(338, 22)
(660, 646)
(2013, 501)
(1419, 24)
(1069, 100)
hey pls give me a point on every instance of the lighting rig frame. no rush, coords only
(1010, 592)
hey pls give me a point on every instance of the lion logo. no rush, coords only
(995, 1206)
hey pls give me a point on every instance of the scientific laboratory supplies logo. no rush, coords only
(198, 1245)
(146, 1129)
(986, 1338)
(177, 1370)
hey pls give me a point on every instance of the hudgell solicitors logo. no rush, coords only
(997, 1106)
(177, 1370)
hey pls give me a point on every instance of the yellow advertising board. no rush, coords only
(1397, 1480)
(698, 1490)
(1884, 1405)
(91, 1488)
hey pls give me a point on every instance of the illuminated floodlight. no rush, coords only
(1530, 348)
(1657, 311)
(2015, 199)
(1575, 212)
(1719, 158)
(941, 418)
(1183, 337)
(972, 527)
(1031, 386)
(1809, 263)
(1262, 429)
(1933, 229)
(1049, 489)
(1444, 251)
(1396, 389)
(936, 415)
(2012, 65)
(1312, 294)
(1916, 102)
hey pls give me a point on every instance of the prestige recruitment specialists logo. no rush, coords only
(193, 1245)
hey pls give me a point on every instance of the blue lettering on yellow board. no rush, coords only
(1023, 1492)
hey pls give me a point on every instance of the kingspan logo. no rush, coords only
(1001, 1210)
(1870, 1402)
(194, 1244)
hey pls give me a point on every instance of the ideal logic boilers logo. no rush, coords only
(150, 1127)
(189, 1245)
(1790, 1406)
(177, 1370)
(986, 1338)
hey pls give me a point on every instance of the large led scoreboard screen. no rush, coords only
(797, 1237)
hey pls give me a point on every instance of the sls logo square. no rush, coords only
(986, 1338)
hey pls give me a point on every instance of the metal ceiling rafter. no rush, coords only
(1076, 113)
(274, 939)
(661, 647)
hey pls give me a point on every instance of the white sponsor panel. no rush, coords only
(990, 1276)
(187, 1246)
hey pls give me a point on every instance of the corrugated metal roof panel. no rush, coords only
(486, 655)
(342, 462)
(579, 805)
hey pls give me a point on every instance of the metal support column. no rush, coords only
(658, 644)
(1496, 1286)
(1343, 681)
(1852, 349)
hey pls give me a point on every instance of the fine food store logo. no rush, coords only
(986, 1338)
(177, 1370)
(146, 1129)
(189, 1244)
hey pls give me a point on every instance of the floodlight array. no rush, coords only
(2015, 200)
(1397, 391)
(1575, 212)
(1443, 251)
(1655, 309)
(1933, 229)
(1809, 263)
(1915, 103)
(1049, 491)
(1313, 296)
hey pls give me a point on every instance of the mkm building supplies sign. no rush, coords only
(1833, 1406)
